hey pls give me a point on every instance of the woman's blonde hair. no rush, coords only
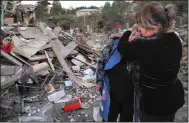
(154, 14)
(135, 27)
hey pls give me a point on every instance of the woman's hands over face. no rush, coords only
(134, 35)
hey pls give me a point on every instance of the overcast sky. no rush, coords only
(74, 4)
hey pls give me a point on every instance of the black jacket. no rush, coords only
(159, 60)
(121, 87)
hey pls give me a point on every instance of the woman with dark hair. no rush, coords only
(157, 53)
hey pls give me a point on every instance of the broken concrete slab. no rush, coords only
(30, 32)
(32, 47)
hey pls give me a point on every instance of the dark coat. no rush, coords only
(120, 84)
(159, 60)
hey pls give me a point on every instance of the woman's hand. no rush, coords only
(99, 88)
(134, 35)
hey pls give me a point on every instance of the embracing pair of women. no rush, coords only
(137, 73)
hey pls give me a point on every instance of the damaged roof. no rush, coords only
(27, 7)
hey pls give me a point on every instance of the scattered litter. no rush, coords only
(68, 84)
(72, 105)
(64, 99)
(96, 114)
(89, 78)
(88, 72)
(49, 88)
(56, 96)
(76, 68)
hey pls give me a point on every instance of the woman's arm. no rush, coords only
(130, 49)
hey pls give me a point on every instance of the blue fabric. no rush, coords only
(115, 56)
(114, 59)
(105, 99)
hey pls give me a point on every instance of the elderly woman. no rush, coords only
(157, 53)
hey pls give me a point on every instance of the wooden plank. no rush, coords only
(49, 60)
(94, 67)
(68, 49)
(57, 46)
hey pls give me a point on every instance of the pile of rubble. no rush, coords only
(181, 115)
(42, 64)
(183, 32)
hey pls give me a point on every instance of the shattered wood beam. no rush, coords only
(57, 46)
(85, 63)
(42, 57)
(87, 49)
(11, 58)
(68, 49)
(49, 60)
(36, 68)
